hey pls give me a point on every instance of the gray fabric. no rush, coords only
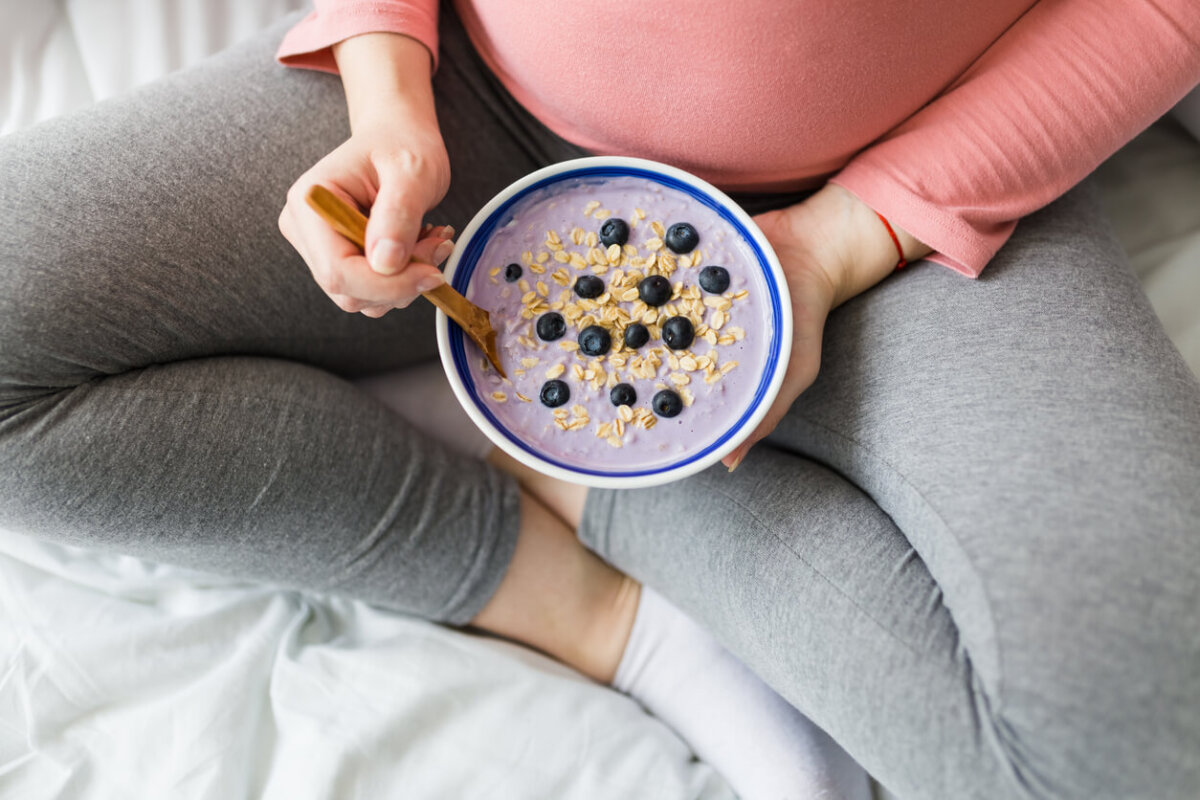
(972, 550)
(172, 382)
(970, 553)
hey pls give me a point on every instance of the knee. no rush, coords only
(43, 340)
(67, 249)
(60, 318)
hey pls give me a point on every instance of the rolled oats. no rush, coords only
(615, 309)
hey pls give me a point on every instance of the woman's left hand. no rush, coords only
(831, 247)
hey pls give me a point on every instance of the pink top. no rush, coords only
(951, 119)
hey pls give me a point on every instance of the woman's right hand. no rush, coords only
(394, 164)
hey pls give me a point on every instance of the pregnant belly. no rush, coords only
(754, 94)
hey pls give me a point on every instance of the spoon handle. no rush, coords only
(341, 216)
(352, 223)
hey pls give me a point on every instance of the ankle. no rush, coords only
(603, 643)
(561, 598)
(565, 499)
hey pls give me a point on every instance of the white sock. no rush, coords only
(764, 747)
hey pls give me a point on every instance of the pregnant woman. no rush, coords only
(968, 549)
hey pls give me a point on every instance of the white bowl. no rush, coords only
(452, 343)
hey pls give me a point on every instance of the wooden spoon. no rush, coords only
(351, 223)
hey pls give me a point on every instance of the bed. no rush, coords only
(124, 678)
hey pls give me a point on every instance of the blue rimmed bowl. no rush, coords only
(456, 349)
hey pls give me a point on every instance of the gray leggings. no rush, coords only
(971, 552)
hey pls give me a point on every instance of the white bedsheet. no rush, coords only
(123, 679)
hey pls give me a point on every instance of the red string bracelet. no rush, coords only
(895, 240)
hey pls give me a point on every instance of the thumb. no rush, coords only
(801, 372)
(783, 401)
(394, 225)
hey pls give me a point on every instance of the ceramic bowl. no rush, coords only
(455, 348)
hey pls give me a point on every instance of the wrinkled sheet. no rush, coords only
(125, 679)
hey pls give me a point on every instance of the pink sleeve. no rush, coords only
(307, 45)
(1061, 90)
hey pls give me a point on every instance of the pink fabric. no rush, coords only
(308, 44)
(951, 119)
(1058, 93)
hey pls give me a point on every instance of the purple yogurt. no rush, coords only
(552, 234)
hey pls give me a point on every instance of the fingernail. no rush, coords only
(447, 231)
(737, 461)
(430, 282)
(387, 257)
(443, 252)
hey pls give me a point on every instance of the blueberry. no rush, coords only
(551, 326)
(512, 273)
(555, 393)
(666, 403)
(594, 341)
(678, 333)
(681, 237)
(614, 231)
(636, 335)
(714, 279)
(622, 395)
(654, 290)
(589, 286)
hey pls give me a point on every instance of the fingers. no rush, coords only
(399, 256)
(801, 373)
(395, 225)
(343, 273)
(434, 248)
(803, 365)
(354, 286)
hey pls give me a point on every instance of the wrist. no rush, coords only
(862, 251)
(387, 80)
